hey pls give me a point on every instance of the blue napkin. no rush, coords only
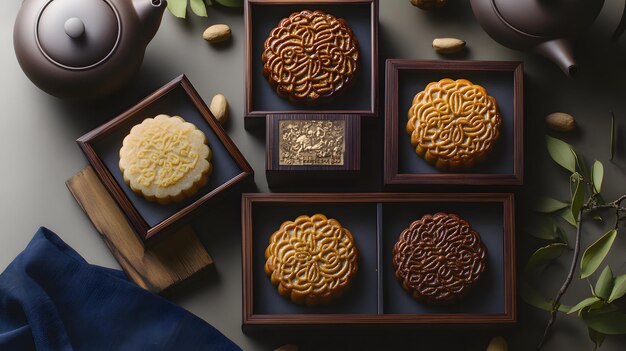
(52, 299)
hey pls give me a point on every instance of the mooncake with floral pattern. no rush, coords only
(165, 159)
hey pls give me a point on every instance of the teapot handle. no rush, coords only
(621, 27)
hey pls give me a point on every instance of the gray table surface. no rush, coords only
(38, 154)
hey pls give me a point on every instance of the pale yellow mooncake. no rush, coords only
(165, 159)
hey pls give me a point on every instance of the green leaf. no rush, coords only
(545, 254)
(578, 194)
(605, 322)
(597, 173)
(612, 135)
(561, 234)
(230, 3)
(599, 306)
(178, 8)
(562, 153)
(582, 304)
(569, 218)
(534, 298)
(604, 285)
(198, 7)
(580, 163)
(596, 337)
(595, 254)
(619, 288)
(546, 204)
(542, 226)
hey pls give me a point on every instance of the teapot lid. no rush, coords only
(540, 18)
(77, 34)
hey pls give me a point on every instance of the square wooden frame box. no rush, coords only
(101, 146)
(502, 80)
(261, 99)
(375, 296)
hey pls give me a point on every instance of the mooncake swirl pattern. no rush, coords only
(311, 55)
(311, 260)
(165, 159)
(439, 258)
(453, 124)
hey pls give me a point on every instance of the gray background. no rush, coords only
(38, 154)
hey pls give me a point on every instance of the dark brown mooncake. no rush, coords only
(439, 258)
(311, 56)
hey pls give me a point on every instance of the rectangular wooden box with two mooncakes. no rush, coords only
(478, 254)
(359, 94)
(229, 169)
(466, 129)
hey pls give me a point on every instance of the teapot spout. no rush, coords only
(560, 52)
(150, 13)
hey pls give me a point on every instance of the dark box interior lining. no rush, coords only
(499, 84)
(358, 96)
(376, 227)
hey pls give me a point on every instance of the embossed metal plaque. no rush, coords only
(311, 142)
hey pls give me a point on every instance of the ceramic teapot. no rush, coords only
(84, 48)
(546, 27)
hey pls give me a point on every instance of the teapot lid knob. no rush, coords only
(74, 27)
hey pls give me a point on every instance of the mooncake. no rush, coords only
(311, 260)
(165, 159)
(453, 124)
(310, 56)
(439, 258)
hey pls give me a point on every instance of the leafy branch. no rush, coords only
(178, 8)
(598, 311)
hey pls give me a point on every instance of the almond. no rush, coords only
(219, 108)
(498, 344)
(561, 122)
(217, 33)
(448, 45)
(428, 4)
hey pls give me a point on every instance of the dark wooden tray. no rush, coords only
(261, 16)
(102, 145)
(376, 220)
(502, 80)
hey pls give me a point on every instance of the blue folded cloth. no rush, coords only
(52, 299)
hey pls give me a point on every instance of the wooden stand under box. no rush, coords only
(156, 268)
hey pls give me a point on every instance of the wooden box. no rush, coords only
(502, 80)
(261, 16)
(312, 149)
(375, 296)
(102, 145)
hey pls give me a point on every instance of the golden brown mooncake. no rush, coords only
(165, 159)
(439, 258)
(453, 124)
(311, 260)
(310, 56)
